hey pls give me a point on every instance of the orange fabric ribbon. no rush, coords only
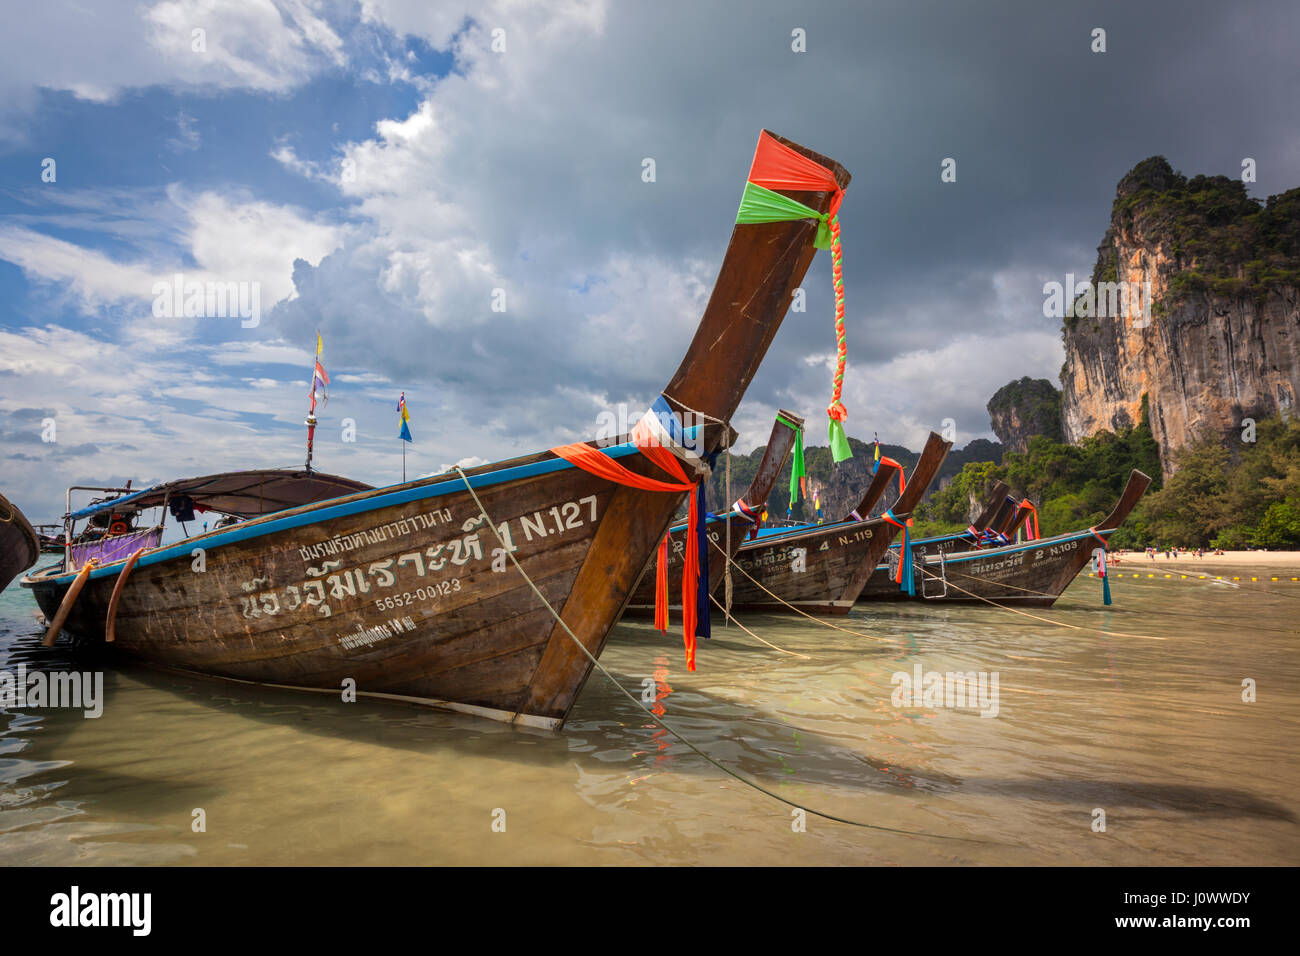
(902, 482)
(596, 462)
(1031, 529)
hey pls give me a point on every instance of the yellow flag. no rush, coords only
(319, 344)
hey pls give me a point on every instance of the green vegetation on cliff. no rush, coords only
(1250, 499)
(1074, 486)
(1223, 241)
(1247, 496)
(1024, 408)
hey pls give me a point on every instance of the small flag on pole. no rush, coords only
(405, 433)
(319, 377)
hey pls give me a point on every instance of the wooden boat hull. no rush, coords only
(396, 592)
(814, 570)
(1033, 573)
(19, 546)
(823, 568)
(643, 597)
(882, 584)
(721, 539)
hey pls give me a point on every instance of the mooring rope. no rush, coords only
(668, 727)
(1038, 617)
(755, 636)
(797, 610)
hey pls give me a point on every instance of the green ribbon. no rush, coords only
(759, 204)
(840, 450)
(797, 470)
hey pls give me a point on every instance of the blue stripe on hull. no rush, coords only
(372, 503)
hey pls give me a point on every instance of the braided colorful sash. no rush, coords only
(777, 166)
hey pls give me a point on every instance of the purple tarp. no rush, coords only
(117, 547)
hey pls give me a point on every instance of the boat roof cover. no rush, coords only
(246, 494)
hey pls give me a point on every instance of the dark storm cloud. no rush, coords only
(1040, 126)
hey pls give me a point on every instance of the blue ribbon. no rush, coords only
(908, 584)
(703, 627)
(671, 422)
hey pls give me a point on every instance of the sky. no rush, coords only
(378, 170)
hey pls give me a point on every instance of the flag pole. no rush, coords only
(311, 412)
(404, 435)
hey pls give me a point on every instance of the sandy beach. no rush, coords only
(1278, 561)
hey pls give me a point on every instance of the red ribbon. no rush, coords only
(595, 462)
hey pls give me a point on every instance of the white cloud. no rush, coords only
(187, 136)
(229, 240)
(97, 50)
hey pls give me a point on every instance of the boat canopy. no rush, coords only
(245, 494)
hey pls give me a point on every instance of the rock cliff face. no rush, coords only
(1220, 340)
(1022, 409)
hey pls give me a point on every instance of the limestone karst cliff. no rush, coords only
(1024, 408)
(1212, 331)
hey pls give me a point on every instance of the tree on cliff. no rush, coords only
(1024, 408)
(1212, 499)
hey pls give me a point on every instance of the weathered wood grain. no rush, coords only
(19, 547)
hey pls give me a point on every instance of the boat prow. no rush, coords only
(1033, 572)
(19, 545)
(822, 568)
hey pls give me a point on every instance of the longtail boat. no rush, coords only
(1033, 572)
(50, 538)
(992, 526)
(19, 545)
(822, 568)
(743, 518)
(402, 592)
(986, 531)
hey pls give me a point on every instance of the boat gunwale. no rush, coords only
(435, 486)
